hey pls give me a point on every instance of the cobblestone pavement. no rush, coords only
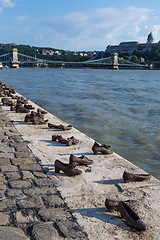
(30, 205)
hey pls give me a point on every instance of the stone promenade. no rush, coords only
(30, 205)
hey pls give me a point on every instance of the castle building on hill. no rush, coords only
(129, 47)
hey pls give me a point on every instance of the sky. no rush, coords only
(82, 25)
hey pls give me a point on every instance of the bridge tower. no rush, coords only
(115, 61)
(14, 59)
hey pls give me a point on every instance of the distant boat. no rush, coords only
(1, 65)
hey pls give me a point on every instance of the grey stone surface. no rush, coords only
(11, 233)
(45, 231)
(40, 191)
(12, 176)
(23, 218)
(5, 161)
(30, 167)
(53, 214)
(7, 205)
(8, 168)
(27, 175)
(20, 184)
(53, 201)
(4, 219)
(31, 202)
(19, 161)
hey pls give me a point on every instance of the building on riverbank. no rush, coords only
(130, 46)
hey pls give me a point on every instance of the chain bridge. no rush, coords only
(15, 59)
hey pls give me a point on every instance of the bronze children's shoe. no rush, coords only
(128, 177)
(96, 148)
(68, 169)
(132, 219)
(61, 127)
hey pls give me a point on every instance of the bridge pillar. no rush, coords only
(14, 60)
(115, 61)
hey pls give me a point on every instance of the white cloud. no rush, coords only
(22, 17)
(93, 30)
(6, 3)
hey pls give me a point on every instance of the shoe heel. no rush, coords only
(57, 170)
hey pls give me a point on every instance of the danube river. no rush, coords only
(119, 108)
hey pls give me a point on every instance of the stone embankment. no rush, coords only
(37, 203)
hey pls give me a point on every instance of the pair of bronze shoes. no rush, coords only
(70, 168)
(61, 127)
(104, 149)
(125, 208)
(69, 141)
(130, 177)
(36, 118)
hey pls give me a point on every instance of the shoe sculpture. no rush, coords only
(83, 160)
(128, 177)
(112, 204)
(21, 109)
(72, 141)
(27, 106)
(41, 111)
(97, 148)
(62, 127)
(132, 219)
(68, 169)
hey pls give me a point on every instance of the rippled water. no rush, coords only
(120, 108)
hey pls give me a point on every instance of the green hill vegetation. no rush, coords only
(48, 53)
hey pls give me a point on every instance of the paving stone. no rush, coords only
(11, 233)
(5, 149)
(23, 154)
(31, 202)
(15, 193)
(20, 161)
(2, 194)
(2, 178)
(6, 154)
(25, 218)
(53, 201)
(27, 175)
(4, 161)
(31, 167)
(40, 175)
(53, 214)
(71, 229)
(40, 191)
(20, 184)
(45, 182)
(4, 219)
(2, 186)
(7, 204)
(12, 176)
(45, 231)
(8, 168)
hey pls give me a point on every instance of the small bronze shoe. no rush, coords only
(132, 219)
(112, 204)
(72, 141)
(97, 148)
(68, 169)
(41, 111)
(62, 127)
(83, 160)
(128, 177)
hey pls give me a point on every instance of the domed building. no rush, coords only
(130, 46)
(150, 38)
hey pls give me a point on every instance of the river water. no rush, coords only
(119, 108)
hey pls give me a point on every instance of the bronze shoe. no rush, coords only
(72, 141)
(112, 204)
(68, 169)
(62, 127)
(41, 111)
(132, 219)
(97, 148)
(128, 177)
(59, 139)
(83, 160)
